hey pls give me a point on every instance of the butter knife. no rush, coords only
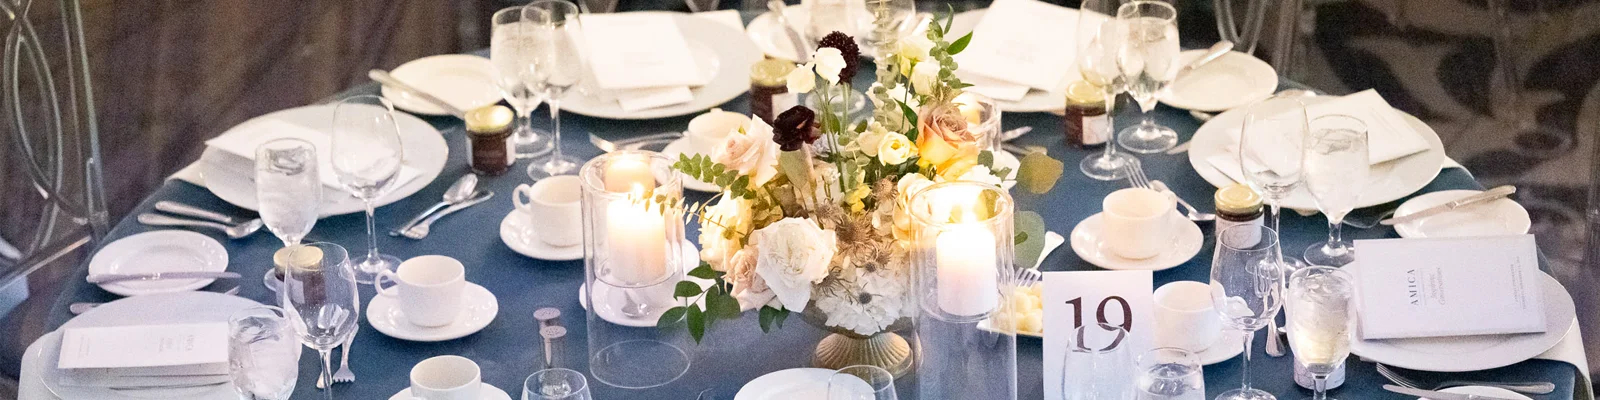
(1216, 51)
(1497, 193)
(155, 276)
(384, 78)
(1438, 395)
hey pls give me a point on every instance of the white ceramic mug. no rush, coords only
(429, 288)
(706, 131)
(446, 378)
(1138, 222)
(1185, 317)
(554, 205)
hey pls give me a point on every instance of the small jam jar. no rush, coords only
(1087, 124)
(489, 140)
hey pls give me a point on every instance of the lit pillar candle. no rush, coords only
(627, 174)
(967, 279)
(637, 240)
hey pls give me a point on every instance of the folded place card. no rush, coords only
(1411, 288)
(1026, 42)
(243, 140)
(144, 346)
(638, 50)
(1389, 136)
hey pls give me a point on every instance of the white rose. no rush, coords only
(868, 141)
(910, 184)
(793, 254)
(801, 80)
(895, 148)
(915, 46)
(980, 173)
(725, 223)
(925, 76)
(751, 151)
(829, 62)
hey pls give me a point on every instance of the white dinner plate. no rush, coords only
(682, 147)
(728, 60)
(788, 384)
(1086, 241)
(1499, 217)
(159, 251)
(463, 80)
(1230, 81)
(233, 179)
(1484, 391)
(169, 308)
(1473, 353)
(1391, 180)
(486, 392)
(478, 309)
(518, 233)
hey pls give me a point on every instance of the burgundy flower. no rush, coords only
(847, 48)
(794, 128)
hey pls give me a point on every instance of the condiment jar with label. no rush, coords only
(1088, 126)
(489, 140)
(769, 89)
(1238, 204)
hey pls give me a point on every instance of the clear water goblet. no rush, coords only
(1337, 169)
(367, 155)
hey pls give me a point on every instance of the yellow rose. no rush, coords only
(944, 142)
(895, 148)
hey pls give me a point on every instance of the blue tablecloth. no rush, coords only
(734, 353)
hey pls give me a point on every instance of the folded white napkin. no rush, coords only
(638, 50)
(997, 89)
(242, 142)
(1025, 42)
(1389, 136)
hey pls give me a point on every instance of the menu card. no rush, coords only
(1410, 288)
(638, 50)
(144, 346)
(1026, 42)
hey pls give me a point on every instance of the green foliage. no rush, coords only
(960, 44)
(1028, 229)
(1039, 173)
(704, 306)
(701, 167)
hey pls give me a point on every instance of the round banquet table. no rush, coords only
(734, 352)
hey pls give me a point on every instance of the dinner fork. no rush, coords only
(1519, 387)
(633, 142)
(344, 374)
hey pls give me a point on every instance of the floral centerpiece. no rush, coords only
(812, 214)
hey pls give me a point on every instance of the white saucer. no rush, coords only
(519, 234)
(486, 392)
(1228, 345)
(479, 308)
(159, 251)
(793, 383)
(463, 80)
(691, 259)
(680, 147)
(1484, 391)
(1186, 244)
(1499, 217)
(1230, 81)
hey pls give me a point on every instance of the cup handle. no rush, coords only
(522, 196)
(377, 283)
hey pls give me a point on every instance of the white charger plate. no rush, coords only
(728, 60)
(1230, 81)
(487, 392)
(1086, 241)
(518, 233)
(788, 384)
(463, 80)
(159, 251)
(1394, 179)
(478, 309)
(169, 308)
(232, 178)
(1473, 353)
(1498, 217)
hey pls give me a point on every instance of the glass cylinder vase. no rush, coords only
(634, 254)
(962, 258)
(983, 118)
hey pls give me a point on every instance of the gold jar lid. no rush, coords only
(298, 257)
(1083, 93)
(491, 119)
(1238, 199)
(770, 72)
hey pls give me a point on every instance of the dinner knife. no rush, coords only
(153, 276)
(1216, 51)
(1497, 193)
(384, 78)
(1438, 395)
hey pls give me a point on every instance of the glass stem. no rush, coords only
(524, 129)
(1272, 222)
(327, 371)
(1335, 225)
(555, 130)
(1111, 125)
(1244, 367)
(1320, 385)
(372, 234)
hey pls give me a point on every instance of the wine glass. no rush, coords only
(898, 21)
(1096, 364)
(1336, 166)
(288, 191)
(508, 52)
(861, 382)
(700, 6)
(1098, 38)
(1169, 373)
(1148, 60)
(319, 296)
(557, 66)
(556, 384)
(1319, 314)
(1247, 290)
(366, 156)
(1270, 153)
(263, 353)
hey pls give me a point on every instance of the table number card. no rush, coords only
(1027, 42)
(1072, 299)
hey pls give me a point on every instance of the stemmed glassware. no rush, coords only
(1319, 313)
(861, 382)
(1097, 363)
(556, 384)
(319, 296)
(288, 191)
(1169, 373)
(557, 66)
(1270, 153)
(367, 155)
(263, 353)
(1098, 38)
(1337, 166)
(508, 46)
(1247, 290)
(1148, 59)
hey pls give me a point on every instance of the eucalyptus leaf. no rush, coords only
(1039, 173)
(986, 159)
(1030, 227)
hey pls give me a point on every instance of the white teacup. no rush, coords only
(1185, 317)
(706, 131)
(1138, 222)
(554, 204)
(429, 288)
(446, 378)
